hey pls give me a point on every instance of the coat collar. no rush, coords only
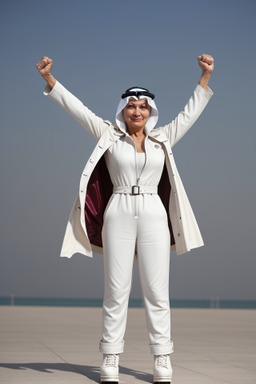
(155, 133)
(158, 135)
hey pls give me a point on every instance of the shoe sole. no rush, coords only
(107, 380)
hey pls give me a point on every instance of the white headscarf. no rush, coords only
(152, 120)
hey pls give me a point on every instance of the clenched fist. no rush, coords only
(206, 63)
(44, 66)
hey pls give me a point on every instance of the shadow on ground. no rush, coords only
(91, 372)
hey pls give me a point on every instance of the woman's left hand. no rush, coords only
(206, 63)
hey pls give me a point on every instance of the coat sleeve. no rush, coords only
(185, 119)
(71, 104)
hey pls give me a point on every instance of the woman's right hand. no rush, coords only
(44, 67)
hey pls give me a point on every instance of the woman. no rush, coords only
(132, 202)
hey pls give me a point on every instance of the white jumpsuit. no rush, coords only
(136, 224)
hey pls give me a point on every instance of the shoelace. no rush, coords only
(161, 361)
(111, 360)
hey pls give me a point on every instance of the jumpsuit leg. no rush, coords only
(149, 232)
(153, 248)
(119, 239)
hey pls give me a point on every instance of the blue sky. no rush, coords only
(99, 49)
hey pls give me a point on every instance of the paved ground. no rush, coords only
(60, 345)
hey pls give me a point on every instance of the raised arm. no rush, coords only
(70, 103)
(196, 104)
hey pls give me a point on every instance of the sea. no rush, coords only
(133, 302)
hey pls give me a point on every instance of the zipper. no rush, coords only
(136, 183)
(136, 165)
(137, 177)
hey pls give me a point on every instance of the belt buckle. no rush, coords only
(135, 190)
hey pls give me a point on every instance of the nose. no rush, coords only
(136, 111)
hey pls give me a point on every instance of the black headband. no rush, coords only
(143, 92)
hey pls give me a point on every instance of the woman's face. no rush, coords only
(136, 114)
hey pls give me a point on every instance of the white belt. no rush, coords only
(136, 189)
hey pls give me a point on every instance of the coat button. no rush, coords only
(178, 234)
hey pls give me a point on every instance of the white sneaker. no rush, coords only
(162, 370)
(109, 371)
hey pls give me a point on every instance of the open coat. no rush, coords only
(83, 231)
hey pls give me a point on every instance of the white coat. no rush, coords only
(185, 230)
